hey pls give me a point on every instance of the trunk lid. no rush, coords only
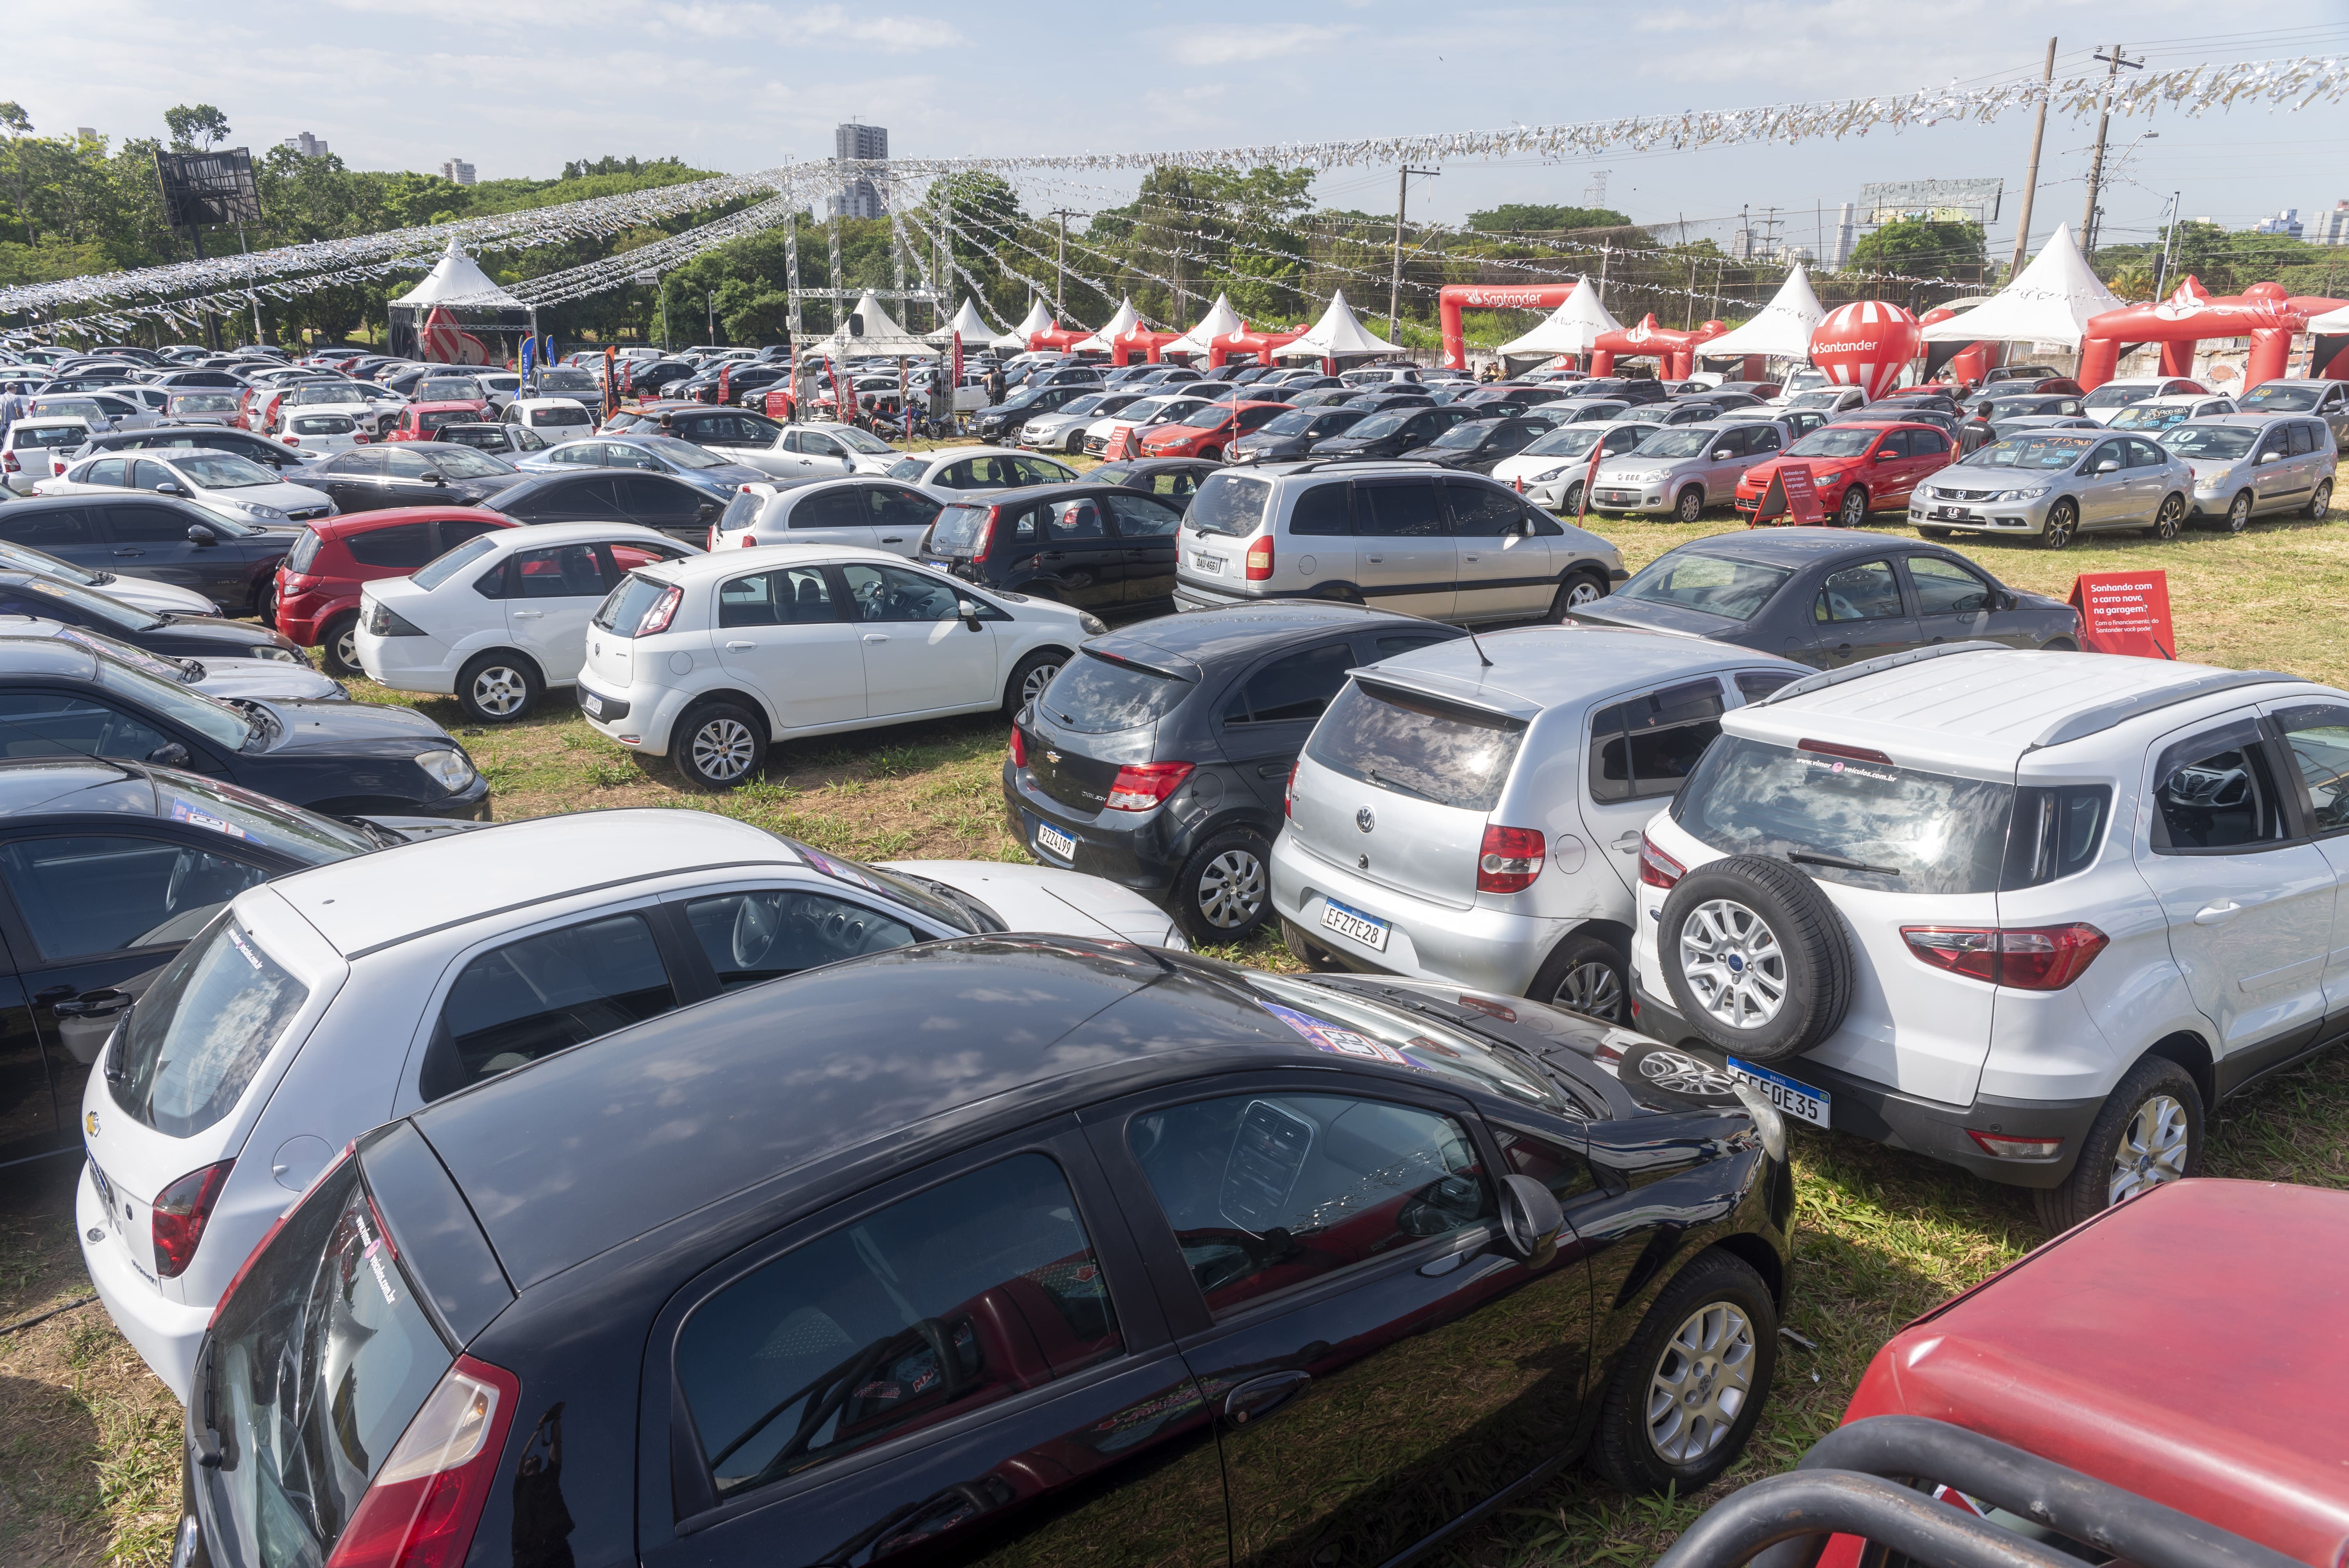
(1102, 712)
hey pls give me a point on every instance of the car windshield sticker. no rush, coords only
(188, 812)
(1834, 766)
(1337, 1041)
(237, 937)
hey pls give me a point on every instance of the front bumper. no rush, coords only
(471, 804)
(1613, 495)
(164, 1332)
(2017, 517)
(1491, 949)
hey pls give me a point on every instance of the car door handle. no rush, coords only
(1629, 842)
(1273, 769)
(130, 553)
(892, 538)
(528, 614)
(2217, 913)
(1375, 560)
(1469, 558)
(877, 637)
(1260, 1396)
(741, 647)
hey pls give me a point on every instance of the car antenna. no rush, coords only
(1472, 638)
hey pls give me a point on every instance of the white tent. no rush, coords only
(1779, 330)
(1571, 328)
(2330, 321)
(1105, 340)
(2049, 301)
(1038, 319)
(1221, 321)
(456, 280)
(1336, 335)
(976, 333)
(881, 336)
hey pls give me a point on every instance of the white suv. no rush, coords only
(322, 1003)
(2033, 913)
(1471, 810)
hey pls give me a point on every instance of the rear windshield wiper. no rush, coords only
(1841, 863)
(1401, 789)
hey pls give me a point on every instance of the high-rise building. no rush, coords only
(859, 197)
(459, 171)
(1845, 234)
(2330, 228)
(306, 144)
(2284, 223)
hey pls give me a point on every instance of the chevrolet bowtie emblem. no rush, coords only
(1052, 756)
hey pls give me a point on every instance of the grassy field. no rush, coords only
(89, 1440)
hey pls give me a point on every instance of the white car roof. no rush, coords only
(1536, 668)
(50, 421)
(692, 569)
(548, 402)
(372, 901)
(539, 535)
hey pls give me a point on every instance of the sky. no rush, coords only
(519, 86)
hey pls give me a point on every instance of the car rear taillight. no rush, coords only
(2005, 1148)
(2034, 958)
(1259, 560)
(1144, 787)
(1288, 792)
(8, 463)
(293, 440)
(1509, 859)
(749, 542)
(181, 1212)
(986, 534)
(421, 1508)
(663, 611)
(1019, 747)
(1658, 868)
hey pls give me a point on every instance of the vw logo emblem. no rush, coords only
(1364, 820)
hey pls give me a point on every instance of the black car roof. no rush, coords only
(1085, 485)
(73, 786)
(1208, 637)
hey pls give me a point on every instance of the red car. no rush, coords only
(1857, 468)
(1207, 432)
(422, 421)
(318, 582)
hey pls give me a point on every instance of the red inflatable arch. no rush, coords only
(1968, 365)
(1246, 344)
(1063, 339)
(1141, 343)
(1673, 351)
(1454, 298)
(2263, 312)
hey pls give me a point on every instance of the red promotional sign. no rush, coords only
(1790, 494)
(2124, 613)
(1117, 444)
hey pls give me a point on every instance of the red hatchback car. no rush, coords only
(1206, 432)
(1864, 465)
(422, 421)
(318, 582)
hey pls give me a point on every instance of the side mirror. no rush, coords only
(2269, 457)
(170, 754)
(200, 533)
(169, 488)
(1722, 453)
(1884, 457)
(2110, 464)
(705, 511)
(1530, 1218)
(969, 614)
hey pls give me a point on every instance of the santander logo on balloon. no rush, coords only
(1865, 344)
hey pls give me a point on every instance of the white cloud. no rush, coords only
(1227, 48)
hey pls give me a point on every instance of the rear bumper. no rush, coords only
(304, 616)
(164, 1332)
(1144, 853)
(409, 664)
(1490, 949)
(1190, 593)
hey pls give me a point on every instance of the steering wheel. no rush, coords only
(756, 927)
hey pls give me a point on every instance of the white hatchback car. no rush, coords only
(553, 418)
(865, 513)
(500, 619)
(316, 1007)
(2032, 913)
(950, 473)
(709, 660)
(241, 487)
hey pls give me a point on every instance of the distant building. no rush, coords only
(457, 170)
(859, 197)
(85, 132)
(2284, 223)
(2330, 228)
(306, 144)
(1846, 234)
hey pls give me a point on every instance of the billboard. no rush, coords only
(1935, 201)
(202, 188)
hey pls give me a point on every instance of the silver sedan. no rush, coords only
(1683, 468)
(1064, 431)
(2054, 485)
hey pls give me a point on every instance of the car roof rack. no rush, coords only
(2120, 710)
(1826, 678)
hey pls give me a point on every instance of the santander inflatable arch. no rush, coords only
(1673, 351)
(1454, 298)
(2263, 313)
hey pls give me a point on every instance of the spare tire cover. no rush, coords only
(1756, 959)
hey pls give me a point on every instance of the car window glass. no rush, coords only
(2214, 793)
(790, 595)
(1483, 511)
(831, 509)
(2145, 455)
(1945, 588)
(147, 524)
(1927, 443)
(106, 471)
(1322, 511)
(1036, 471)
(1142, 517)
(1862, 592)
(527, 999)
(1076, 521)
(105, 894)
(1755, 685)
(1268, 1192)
(357, 463)
(52, 724)
(2317, 738)
(2111, 453)
(455, 531)
(1395, 642)
(404, 546)
(1547, 1159)
(978, 1288)
(895, 508)
(45, 527)
(762, 935)
(2303, 441)
(1407, 509)
(893, 594)
(1646, 745)
(149, 475)
(649, 495)
(1292, 688)
(1176, 482)
(563, 572)
(407, 465)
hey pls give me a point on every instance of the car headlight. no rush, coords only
(451, 769)
(257, 510)
(271, 651)
(1830, 478)
(2020, 494)
(1093, 624)
(1546, 475)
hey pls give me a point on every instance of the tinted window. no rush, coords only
(1291, 688)
(1545, 1160)
(1646, 745)
(1140, 517)
(1483, 511)
(753, 936)
(831, 509)
(2303, 441)
(2216, 799)
(788, 596)
(2317, 737)
(565, 572)
(2056, 831)
(1758, 683)
(1927, 443)
(201, 1030)
(1095, 695)
(1735, 590)
(45, 528)
(1417, 744)
(517, 1003)
(1408, 509)
(983, 1285)
(51, 724)
(1268, 1192)
(87, 896)
(1229, 504)
(893, 508)
(455, 531)
(404, 546)
(147, 524)
(1324, 511)
(1076, 521)
(1945, 588)
(1391, 643)
(1862, 592)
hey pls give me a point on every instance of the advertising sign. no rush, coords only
(2124, 613)
(1790, 495)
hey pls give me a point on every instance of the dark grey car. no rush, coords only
(1827, 597)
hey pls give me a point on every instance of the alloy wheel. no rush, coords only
(722, 750)
(2152, 1150)
(2171, 518)
(2238, 513)
(1037, 679)
(1231, 890)
(2320, 503)
(347, 647)
(1691, 504)
(1734, 963)
(1572, 500)
(1853, 513)
(499, 690)
(1582, 592)
(1700, 1383)
(2061, 523)
(1592, 989)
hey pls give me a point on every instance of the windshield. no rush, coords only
(1379, 425)
(194, 1040)
(2278, 398)
(1467, 436)
(936, 898)
(122, 617)
(1418, 746)
(1420, 1041)
(30, 560)
(1229, 504)
(1089, 403)
(683, 453)
(113, 648)
(1679, 443)
(1098, 695)
(910, 469)
(1824, 399)
(439, 570)
(857, 440)
(205, 403)
(455, 390)
(2047, 453)
(2116, 395)
(239, 813)
(2217, 443)
(329, 393)
(1296, 422)
(566, 381)
(208, 717)
(1833, 442)
(2149, 416)
(1566, 441)
(464, 463)
(1689, 580)
(222, 472)
(1176, 411)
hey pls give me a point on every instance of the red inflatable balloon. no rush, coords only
(1865, 344)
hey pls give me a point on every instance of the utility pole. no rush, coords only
(2096, 162)
(1061, 261)
(1394, 282)
(2169, 245)
(713, 314)
(1605, 250)
(2031, 176)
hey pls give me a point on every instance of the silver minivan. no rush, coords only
(1683, 468)
(2256, 464)
(1479, 821)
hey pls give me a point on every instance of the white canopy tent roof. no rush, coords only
(2332, 321)
(1038, 319)
(1571, 328)
(456, 279)
(1221, 321)
(1336, 335)
(882, 336)
(1105, 340)
(2049, 301)
(1779, 330)
(972, 326)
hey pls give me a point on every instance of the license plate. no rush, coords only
(1210, 563)
(1368, 929)
(1054, 842)
(1794, 1100)
(1953, 513)
(593, 704)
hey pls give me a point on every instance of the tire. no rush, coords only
(1687, 1392)
(1585, 974)
(2063, 522)
(1029, 677)
(2169, 519)
(1306, 951)
(1211, 454)
(2149, 1133)
(1572, 501)
(2238, 512)
(1689, 505)
(1578, 589)
(264, 603)
(1924, 532)
(1773, 961)
(498, 688)
(338, 646)
(1224, 892)
(2320, 503)
(719, 745)
(1852, 510)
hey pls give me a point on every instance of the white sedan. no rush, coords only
(501, 618)
(238, 486)
(707, 661)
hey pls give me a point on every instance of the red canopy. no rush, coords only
(1245, 344)
(1673, 350)
(1060, 337)
(2263, 312)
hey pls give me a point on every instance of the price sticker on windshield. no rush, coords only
(185, 811)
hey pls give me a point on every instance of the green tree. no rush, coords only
(195, 127)
(1517, 217)
(1920, 248)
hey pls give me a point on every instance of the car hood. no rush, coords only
(1042, 898)
(416, 829)
(202, 636)
(1623, 468)
(1522, 467)
(1450, 457)
(284, 497)
(1616, 611)
(162, 598)
(872, 463)
(266, 680)
(347, 726)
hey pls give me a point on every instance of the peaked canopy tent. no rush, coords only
(869, 330)
(1221, 321)
(1571, 329)
(446, 317)
(971, 325)
(2049, 301)
(1105, 340)
(1338, 336)
(1779, 330)
(1018, 339)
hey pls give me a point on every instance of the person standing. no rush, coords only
(996, 386)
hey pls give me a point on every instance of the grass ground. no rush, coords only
(89, 1439)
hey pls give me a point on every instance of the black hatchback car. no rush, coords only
(1174, 479)
(1026, 404)
(1476, 444)
(1827, 597)
(1100, 547)
(25, 593)
(1291, 435)
(412, 473)
(1244, 1267)
(1159, 757)
(611, 495)
(163, 538)
(1392, 433)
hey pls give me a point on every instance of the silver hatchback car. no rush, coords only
(1064, 430)
(2256, 464)
(1683, 468)
(2055, 485)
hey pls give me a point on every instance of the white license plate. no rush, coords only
(1210, 563)
(1953, 513)
(1368, 929)
(1052, 839)
(593, 704)
(1794, 1100)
